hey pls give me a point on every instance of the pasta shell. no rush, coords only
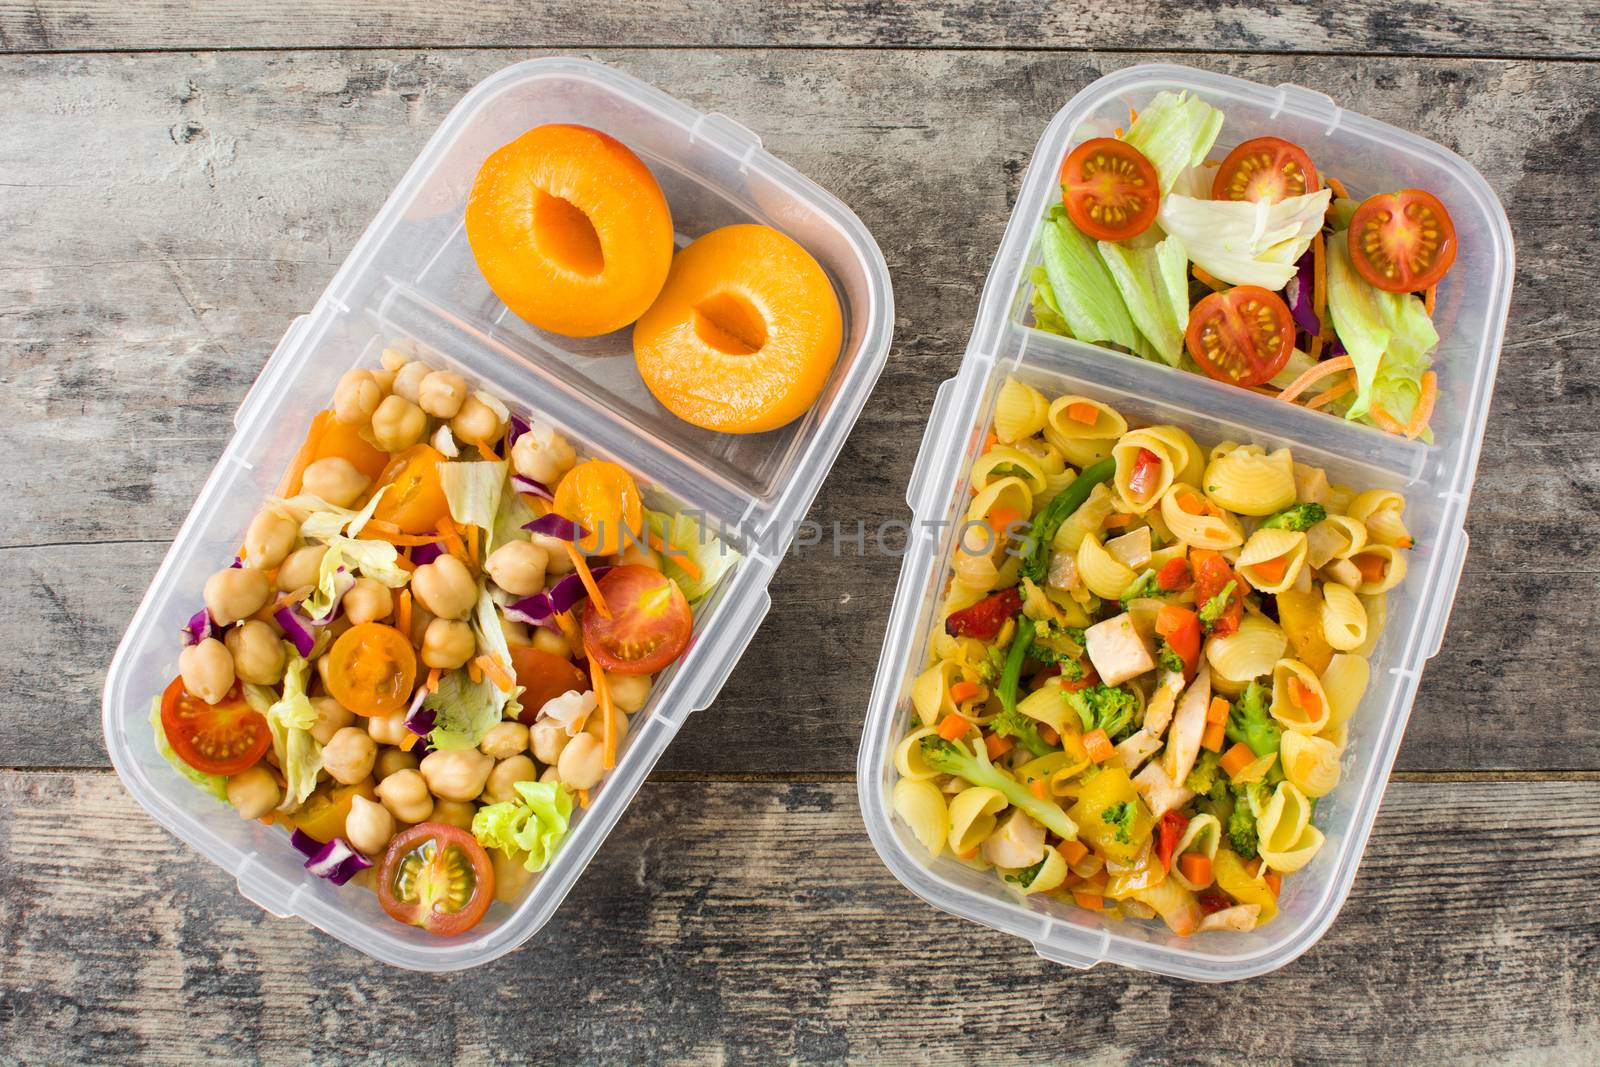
(930, 692)
(1081, 451)
(1129, 447)
(1339, 497)
(1287, 840)
(1208, 529)
(1382, 511)
(1393, 568)
(1344, 620)
(1052, 872)
(1264, 549)
(1007, 497)
(1310, 763)
(1047, 455)
(1100, 572)
(1087, 519)
(1248, 483)
(1019, 411)
(1377, 615)
(1007, 461)
(1248, 653)
(923, 808)
(1202, 836)
(1306, 715)
(972, 817)
(908, 756)
(1061, 424)
(1181, 444)
(1345, 683)
(1336, 537)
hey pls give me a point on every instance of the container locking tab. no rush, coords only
(1309, 103)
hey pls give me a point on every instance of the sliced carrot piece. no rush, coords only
(495, 673)
(1424, 409)
(962, 692)
(1207, 279)
(1216, 733)
(474, 672)
(1316, 348)
(1083, 412)
(408, 741)
(1316, 374)
(1196, 866)
(1037, 787)
(1237, 758)
(1116, 521)
(1072, 851)
(953, 727)
(583, 799)
(1430, 299)
(1371, 566)
(1098, 745)
(1089, 901)
(997, 745)
(1047, 735)
(1274, 882)
(402, 613)
(486, 452)
(1217, 711)
(1273, 569)
(1337, 186)
(433, 679)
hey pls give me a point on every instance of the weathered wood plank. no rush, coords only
(1517, 28)
(701, 933)
(237, 183)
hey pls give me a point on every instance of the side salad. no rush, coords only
(426, 653)
(1258, 270)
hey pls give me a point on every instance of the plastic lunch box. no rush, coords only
(1369, 157)
(412, 280)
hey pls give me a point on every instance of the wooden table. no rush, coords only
(176, 185)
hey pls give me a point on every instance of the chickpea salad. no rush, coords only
(426, 653)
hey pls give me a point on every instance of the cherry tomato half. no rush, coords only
(372, 669)
(346, 442)
(649, 625)
(1267, 170)
(222, 738)
(602, 498)
(323, 814)
(437, 877)
(1402, 242)
(543, 677)
(415, 501)
(1243, 336)
(1110, 190)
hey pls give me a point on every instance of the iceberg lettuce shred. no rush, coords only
(473, 491)
(464, 711)
(290, 717)
(215, 784)
(690, 540)
(532, 826)
(1175, 131)
(1245, 242)
(1085, 293)
(1154, 283)
(1389, 337)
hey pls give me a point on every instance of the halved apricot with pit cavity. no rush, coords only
(570, 229)
(744, 333)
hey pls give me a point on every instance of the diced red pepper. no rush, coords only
(1174, 575)
(1146, 472)
(1211, 576)
(1180, 629)
(1168, 832)
(1212, 901)
(984, 619)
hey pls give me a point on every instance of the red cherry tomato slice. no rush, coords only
(222, 738)
(1243, 336)
(1110, 190)
(437, 877)
(543, 677)
(1267, 170)
(1402, 242)
(649, 626)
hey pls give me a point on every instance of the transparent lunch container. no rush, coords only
(1369, 157)
(411, 281)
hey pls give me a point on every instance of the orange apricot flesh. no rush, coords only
(570, 229)
(744, 334)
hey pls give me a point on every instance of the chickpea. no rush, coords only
(367, 601)
(391, 760)
(550, 641)
(556, 559)
(579, 765)
(454, 813)
(336, 480)
(636, 554)
(458, 774)
(543, 455)
(258, 656)
(324, 664)
(445, 587)
(269, 539)
(348, 757)
(505, 740)
(405, 794)
(332, 717)
(369, 827)
(385, 382)
(506, 774)
(301, 568)
(235, 593)
(392, 359)
(550, 774)
(629, 692)
(398, 424)
(442, 393)
(408, 380)
(547, 739)
(356, 397)
(254, 792)
(596, 726)
(207, 670)
(511, 878)
(447, 644)
(476, 421)
(388, 729)
(517, 567)
(515, 633)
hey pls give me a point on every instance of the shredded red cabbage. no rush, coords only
(553, 525)
(1297, 294)
(1335, 350)
(540, 609)
(335, 861)
(420, 720)
(297, 629)
(566, 593)
(532, 487)
(198, 628)
(427, 553)
(516, 426)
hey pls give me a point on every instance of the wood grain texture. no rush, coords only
(701, 933)
(1428, 27)
(168, 215)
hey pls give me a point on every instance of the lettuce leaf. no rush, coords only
(1389, 336)
(473, 490)
(492, 642)
(464, 710)
(215, 784)
(1046, 312)
(322, 521)
(533, 824)
(1154, 283)
(290, 717)
(1086, 296)
(709, 553)
(514, 513)
(1244, 242)
(1175, 131)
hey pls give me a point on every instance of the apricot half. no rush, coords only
(570, 229)
(744, 333)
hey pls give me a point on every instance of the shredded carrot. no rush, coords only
(1371, 566)
(1333, 392)
(1273, 569)
(962, 692)
(997, 745)
(1037, 787)
(953, 727)
(1430, 299)
(1133, 115)
(432, 684)
(1316, 348)
(1116, 520)
(1205, 278)
(1072, 851)
(1083, 412)
(1097, 745)
(408, 741)
(569, 630)
(1274, 882)
(1264, 390)
(402, 614)
(474, 672)
(1089, 901)
(290, 485)
(1048, 736)
(452, 538)
(1424, 409)
(607, 709)
(678, 556)
(1316, 374)
(590, 586)
(583, 799)
(1237, 759)
(1215, 734)
(1196, 866)
(1385, 420)
(1319, 276)
(1217, 712)
(1337, 186)
(496, 673)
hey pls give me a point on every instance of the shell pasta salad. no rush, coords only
(1145, 664)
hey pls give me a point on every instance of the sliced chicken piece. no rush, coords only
(1117, 650)
(1344, 572)
(1161, 794)
(1240, 917)
(1019, 842)
(1134, 750)
(1188, 726)
(1175, 904)
(1311, 484)
(1158, 712)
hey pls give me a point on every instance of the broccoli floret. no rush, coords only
(1296, 517)
(1213, 609)
(1251, 723)
(949, 757)
(1076, 635)
(1204, 776)
(1025, 731)
(1168, 659)
(1104, 707)
(1143, 586)
(1026, 875)
(1242, 831)
(1120, 815)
